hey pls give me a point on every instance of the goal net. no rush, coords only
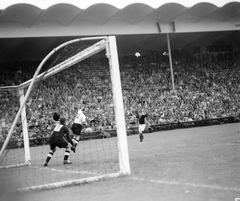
(82, 72)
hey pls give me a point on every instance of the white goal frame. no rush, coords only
(109, 44)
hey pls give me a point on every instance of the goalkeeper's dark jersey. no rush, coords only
(60, 133)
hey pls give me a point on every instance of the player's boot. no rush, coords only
(73, 148)
(65, 162)
(45, 164)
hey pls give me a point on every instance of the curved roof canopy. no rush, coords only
(68, 20)
(26, 20)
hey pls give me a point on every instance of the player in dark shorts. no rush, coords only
(60, 138)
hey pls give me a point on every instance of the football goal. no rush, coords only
(82, 72)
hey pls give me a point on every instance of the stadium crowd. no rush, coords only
(204, 88)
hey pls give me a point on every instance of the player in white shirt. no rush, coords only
(77, 127)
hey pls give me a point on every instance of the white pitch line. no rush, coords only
(187, 184)
(64, 171)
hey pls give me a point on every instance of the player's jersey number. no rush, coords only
(57, 128)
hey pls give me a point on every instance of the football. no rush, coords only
(88, 130)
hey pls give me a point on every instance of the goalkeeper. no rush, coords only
(79, 122)
(59, 138)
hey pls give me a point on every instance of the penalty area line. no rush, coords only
(187, 184)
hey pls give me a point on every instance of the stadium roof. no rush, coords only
(35, 31)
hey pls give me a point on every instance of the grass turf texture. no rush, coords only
(187, 164)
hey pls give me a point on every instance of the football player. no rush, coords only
(60, 138)
(78, 124)
(141, 124)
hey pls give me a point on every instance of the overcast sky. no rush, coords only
(43, 4)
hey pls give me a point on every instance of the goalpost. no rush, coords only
(32, 165)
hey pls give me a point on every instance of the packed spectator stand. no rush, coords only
(205, 88)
